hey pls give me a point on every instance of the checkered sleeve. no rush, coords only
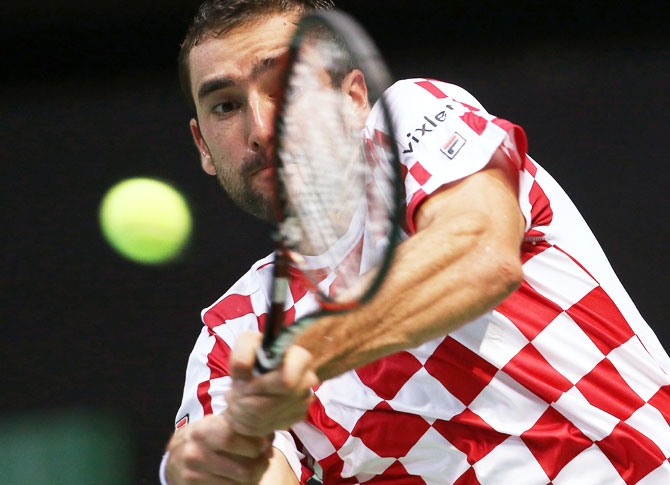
(562, 383)
(443, 135)
(242, 308)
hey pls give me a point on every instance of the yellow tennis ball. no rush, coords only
(145, 220)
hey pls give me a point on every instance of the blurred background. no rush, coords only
(90, 96)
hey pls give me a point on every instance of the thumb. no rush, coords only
(244, 355)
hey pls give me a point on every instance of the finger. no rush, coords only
(178, 474)
(216, 434)
(233, 468)
(258, 415)
(243, 356)
(299, 362)
(201, 466)
(192, 462)
(294, 376)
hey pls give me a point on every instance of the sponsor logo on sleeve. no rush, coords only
(429, 126)
(181, 422)
(453, 146)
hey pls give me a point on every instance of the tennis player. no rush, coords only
(501, 348)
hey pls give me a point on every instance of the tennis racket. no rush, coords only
(339, 197)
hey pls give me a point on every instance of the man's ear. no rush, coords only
(355, 88)
(205, 157)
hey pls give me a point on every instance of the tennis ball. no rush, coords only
(145, 220)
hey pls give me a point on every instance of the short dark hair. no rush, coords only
(221, 16)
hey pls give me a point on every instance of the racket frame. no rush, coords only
(277, 337)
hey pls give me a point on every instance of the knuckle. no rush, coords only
(235, 359)
(199, 430)
(176, 442)
(288, 381)
(196, 434)
(191, 454)
(312, 379)
(245, 429)
(226, 441)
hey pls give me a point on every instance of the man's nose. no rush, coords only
(261, 132)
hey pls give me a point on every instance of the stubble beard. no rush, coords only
(239, 187)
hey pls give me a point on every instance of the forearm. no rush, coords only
(459, 267)
(421, 299)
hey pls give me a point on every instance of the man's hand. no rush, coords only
(210, 452)
(259, 405)
(236, 447)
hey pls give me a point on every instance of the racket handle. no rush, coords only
(271, 357)
(266, 360)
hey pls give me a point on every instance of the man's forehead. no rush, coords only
(259, 21)
(279, 26)
(246, 43)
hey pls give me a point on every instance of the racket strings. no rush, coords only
(337, 208)
(319, 160)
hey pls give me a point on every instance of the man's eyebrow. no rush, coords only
(265, 65)
(215, 84)
(223, 82)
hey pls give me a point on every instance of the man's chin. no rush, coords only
(255, 195)
(263, 186)
(257, 204)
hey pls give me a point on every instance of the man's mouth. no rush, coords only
(258, 165)
(265, 170)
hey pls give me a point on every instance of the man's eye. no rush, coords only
(224, 108)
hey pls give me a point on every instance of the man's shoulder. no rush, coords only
(428, 89)
(412, 101)
(247, 297)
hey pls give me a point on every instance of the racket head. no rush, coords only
(339, 184)
(339, 199)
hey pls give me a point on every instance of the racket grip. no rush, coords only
(271, 357)
(266, 360)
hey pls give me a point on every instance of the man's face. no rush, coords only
(236, 79)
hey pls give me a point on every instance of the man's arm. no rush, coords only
(463, 261)
(220, 450)
(208, 451)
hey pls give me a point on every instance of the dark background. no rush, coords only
(89, 96)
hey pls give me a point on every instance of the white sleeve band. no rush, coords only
(161, 470)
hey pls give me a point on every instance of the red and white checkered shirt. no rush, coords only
(563, 383)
